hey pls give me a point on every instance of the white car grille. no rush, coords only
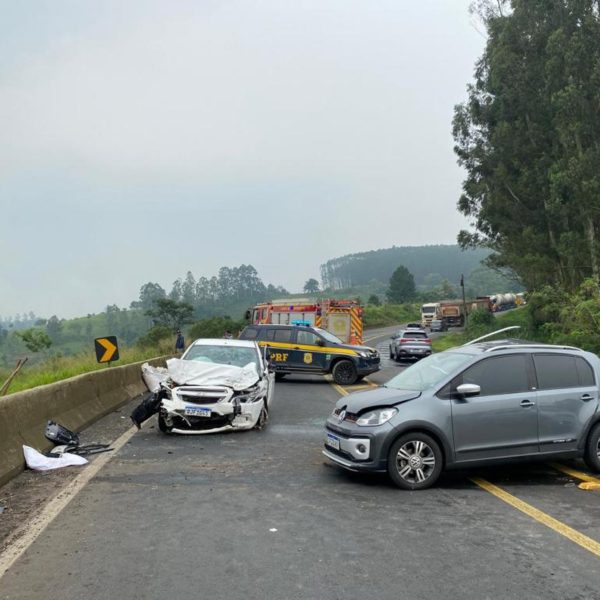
(203, 394)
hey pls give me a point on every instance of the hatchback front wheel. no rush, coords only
(414, 461)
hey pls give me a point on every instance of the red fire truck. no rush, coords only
(343, 318)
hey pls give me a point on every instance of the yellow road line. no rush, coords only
(33, 528)
(593, 483)
(541, 517)
(340, 389)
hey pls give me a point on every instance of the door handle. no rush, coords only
(587, 397)
(527, 403)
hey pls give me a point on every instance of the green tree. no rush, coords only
(54, 328)
(374, 300)
(402, 286)
(154, 336)
(35, 339)
(149, 294)
(448, 291)
(311, 286)
(188, 289)
(170, 313)
(215, 327)
(528, 139)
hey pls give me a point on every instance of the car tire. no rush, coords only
(415, 461)
(162, 425)
(344, 373)
(592, 449)
(279, 376)
(392, 354)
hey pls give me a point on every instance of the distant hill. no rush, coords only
(447, 261)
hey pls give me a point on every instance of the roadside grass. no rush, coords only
(58, 368)
(448, 340)
(390, 314)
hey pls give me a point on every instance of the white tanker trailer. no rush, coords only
(503, 301)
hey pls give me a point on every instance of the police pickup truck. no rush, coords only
(303, 349)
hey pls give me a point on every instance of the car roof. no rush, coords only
(265, 325)
(510, 344)
(224, 342)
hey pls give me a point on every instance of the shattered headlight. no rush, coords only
(250, 395)
(376, 417)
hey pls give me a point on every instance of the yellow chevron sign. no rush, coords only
(107, 349)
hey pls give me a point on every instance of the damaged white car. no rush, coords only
(217, 385)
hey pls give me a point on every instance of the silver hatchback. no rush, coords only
(482, 403)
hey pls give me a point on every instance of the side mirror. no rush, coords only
(468, 389)
(320, 343)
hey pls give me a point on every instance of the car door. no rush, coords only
(567, 399)
(502, 420)
(278, 341)
(307, 351)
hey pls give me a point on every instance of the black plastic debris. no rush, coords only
(149, 406)
(60, 435)
(68, 441)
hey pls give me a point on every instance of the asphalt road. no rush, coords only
(255, 515)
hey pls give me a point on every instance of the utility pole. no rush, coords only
(462, 285)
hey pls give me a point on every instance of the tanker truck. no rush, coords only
(502, 302)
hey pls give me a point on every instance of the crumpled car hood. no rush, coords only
(191, 372)
(382, 396)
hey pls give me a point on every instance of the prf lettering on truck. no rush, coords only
(279, 356)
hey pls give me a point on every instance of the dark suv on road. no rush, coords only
(478, 404)
(301, 349)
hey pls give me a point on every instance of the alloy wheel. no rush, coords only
(415, 461)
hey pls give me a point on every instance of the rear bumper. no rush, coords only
(413, 351)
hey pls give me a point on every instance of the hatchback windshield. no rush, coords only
(223, 355)
(429, 371)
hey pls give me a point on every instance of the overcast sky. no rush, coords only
(143, 139)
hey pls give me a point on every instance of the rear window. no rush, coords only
(556, 371)
(250, 333)
(414, 335)
(586, 373)
(279, 335)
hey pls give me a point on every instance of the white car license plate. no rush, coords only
(333, 441)
(197, 411)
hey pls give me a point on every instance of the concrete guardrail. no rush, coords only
(75, 403)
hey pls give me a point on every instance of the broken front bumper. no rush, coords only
(193, 410)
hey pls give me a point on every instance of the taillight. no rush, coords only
(403, 341)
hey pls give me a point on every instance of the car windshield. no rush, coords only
(223, 355)
(328, 336)
(429, 371)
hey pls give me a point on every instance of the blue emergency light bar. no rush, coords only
(301, 323)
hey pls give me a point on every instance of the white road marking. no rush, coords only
(22, 539)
